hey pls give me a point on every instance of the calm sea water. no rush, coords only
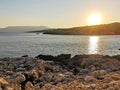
(18, 44)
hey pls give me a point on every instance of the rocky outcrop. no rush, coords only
(81, 72)
(60, 58)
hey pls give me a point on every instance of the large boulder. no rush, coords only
(96, 61)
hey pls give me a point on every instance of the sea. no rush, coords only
(32, 44)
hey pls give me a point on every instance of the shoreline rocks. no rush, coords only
(81, 72)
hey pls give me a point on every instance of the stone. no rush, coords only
(29, 86)
(89, 79)
(111, 65)
(62, 57)
(98, 73)
(115, 77)
(20, 69)
(19, 78)
(110, 88)
(25, 56)
(42, 65)
(34, 74)
(3, 82)
(54, 58)
(86, 72)
(45, 57)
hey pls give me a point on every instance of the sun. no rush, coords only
(94, 19)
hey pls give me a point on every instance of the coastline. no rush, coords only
(62, 72)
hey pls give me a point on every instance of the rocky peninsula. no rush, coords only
(62, 72)
(104, 29)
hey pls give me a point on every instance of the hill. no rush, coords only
(22, 28)
(105, 29)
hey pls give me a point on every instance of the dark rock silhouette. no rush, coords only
(105, 29)
(59, 58)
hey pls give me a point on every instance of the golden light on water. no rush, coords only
(95, 19)
(93, 45)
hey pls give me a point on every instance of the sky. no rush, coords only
(56, 13)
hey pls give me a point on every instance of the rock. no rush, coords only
(62, 57)
(29, 86)
(113, 85)
(77, 70)
(98, 74)
(90, 87)
(111, 64)
(3, 83)
(9, 88)
(59, 58)
(25, 56)
(110, 88)
(34, 74)
(48, 77)
(82, 72)
(19, 78)
(20, 69)
(116, 57)
(37, 87)
(115, 77)
(0, 88)
(41, 65)
(45, 57)
(89, 79)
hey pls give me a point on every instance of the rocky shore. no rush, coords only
(62, 72)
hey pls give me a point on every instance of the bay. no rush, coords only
(18, 44)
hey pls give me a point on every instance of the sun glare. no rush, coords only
(94, 19)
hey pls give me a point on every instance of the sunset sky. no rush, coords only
(56, 13)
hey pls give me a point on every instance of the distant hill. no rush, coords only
(105, 29)
(22, 28)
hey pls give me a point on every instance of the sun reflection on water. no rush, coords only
(93, 45)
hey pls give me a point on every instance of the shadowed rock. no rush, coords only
(54, 58)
